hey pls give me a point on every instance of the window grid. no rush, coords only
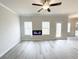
(58, 29)
(28, 28)
(69, 25)
(45, 28)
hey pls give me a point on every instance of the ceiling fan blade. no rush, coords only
(37, 4)
(44, 2)
(40, 9)
(48, 10)
(55, 4)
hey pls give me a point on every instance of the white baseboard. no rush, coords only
(8, 49)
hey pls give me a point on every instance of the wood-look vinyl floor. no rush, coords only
(57, 49)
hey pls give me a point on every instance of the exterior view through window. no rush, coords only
(45, 28)
(28, 28)
(58, 29)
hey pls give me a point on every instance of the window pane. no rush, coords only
(76, 29)
(45, 25)
(45, 31)
(28, 32)
(45, 28)
(58, 30)
(68, 30)
(28, 25)
(28, 28)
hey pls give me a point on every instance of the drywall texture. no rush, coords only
(9, 30)
(37, 25)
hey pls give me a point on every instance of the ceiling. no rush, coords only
(26, 7)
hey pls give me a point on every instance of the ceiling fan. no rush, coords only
(45, 5)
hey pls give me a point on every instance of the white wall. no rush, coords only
(9, 30)
(37, 25)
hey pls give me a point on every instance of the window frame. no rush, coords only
(58, 29)
(68, 27)
(28, 28)
(45, 29)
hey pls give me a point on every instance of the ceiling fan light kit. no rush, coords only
(46, 5)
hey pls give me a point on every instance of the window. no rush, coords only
(28, 28)
(45, 28)
(58, 30)
(76, 29)
(69, 25)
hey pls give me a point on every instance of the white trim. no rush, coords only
(7, 8)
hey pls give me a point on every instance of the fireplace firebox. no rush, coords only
(36, 32)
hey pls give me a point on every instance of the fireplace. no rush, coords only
(36, 32)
